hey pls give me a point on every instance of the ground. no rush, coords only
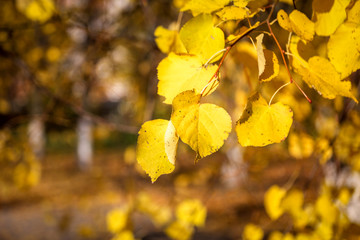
(69, 204)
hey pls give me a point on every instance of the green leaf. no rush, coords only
(178, 73)
(200, 37)
(204, 127)
(267, 61)
(261, 124)
(156, 147)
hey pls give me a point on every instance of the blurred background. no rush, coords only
(77, 80)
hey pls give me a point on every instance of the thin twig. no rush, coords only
(278, 91)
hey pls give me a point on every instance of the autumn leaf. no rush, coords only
(201, 38)
(261, 124)
(36, 10)
(156, 147)
(178, 73)
(204, 127)
(272, 201)
(301, 25)
(298, 23)
(117, 219)
(328, 15)
(284, 20)
(204, 6)
(344, 49)
(191, 212)
(233, 13)
(321, 75)
(252, 232)
(168, 40)
(268, 63)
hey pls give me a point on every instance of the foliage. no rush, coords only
(219, 31)
(189, 213)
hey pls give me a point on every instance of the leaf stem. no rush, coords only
(278, 91)
(282, 53)
(214, 55)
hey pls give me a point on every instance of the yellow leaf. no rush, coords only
(298, 23)
(272, 201)
(326, 209)
(324, 231)
(284, 20)
(344, 49)
(191, 212)
(117, 219)
(204, 127)
(261, 124)
(168, 40)
(252, 232)
(302, 51)
(300, 145)
(344, 196)
(322, 76)
(200, 37)
(233, 13)
(178, 73)
(293, 201)
(267, 61)
(156, 147)
(301, 25)
(124, 235)
(179, 230)
(275, 235)
(328, 15)
(36, 10)
(354, 13)
(204, 6)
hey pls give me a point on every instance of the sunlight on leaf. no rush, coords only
(321, 75)
(192, 212)
(168, 40)
(178, 73)
(284, 20)
(233, 13)
(344, 49)
(354, 13)
(204, 6)
(200, 37)
(261, 124)
(117, 219)
(326, 209)
(328, 15)
(124, 235)
(36, 10)
(179, 230)
(272, 201)
(300, 145)
(301, 25)
(268, 63)
(156, 147)
(204, 127)
(252, 232)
